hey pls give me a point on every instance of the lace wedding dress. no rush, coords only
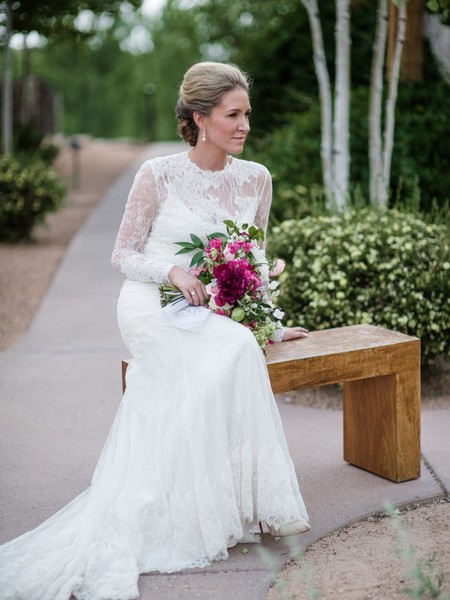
(196, 455)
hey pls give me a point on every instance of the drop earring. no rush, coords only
(203, 134)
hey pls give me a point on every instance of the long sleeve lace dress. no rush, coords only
(196, 455)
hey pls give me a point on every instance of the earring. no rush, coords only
(203, 134)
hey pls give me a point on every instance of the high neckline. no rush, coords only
(225, 168)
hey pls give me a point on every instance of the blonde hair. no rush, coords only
(203, 88)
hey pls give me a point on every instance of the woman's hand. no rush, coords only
(294, 333)
(192, 288)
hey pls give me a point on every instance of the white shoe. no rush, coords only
(293, 528)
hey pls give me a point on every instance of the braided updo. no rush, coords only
(203, 88)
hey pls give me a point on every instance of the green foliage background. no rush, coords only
(385, 268)
(104, 91)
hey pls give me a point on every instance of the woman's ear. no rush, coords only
(199, 119)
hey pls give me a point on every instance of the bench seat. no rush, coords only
(380, 372)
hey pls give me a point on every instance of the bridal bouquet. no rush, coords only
(237, 277)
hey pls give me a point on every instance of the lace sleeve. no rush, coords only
(265, 201)
(261, 220)
(140, 211)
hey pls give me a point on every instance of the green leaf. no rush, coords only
(186, 245)
(197, 241)
(217, 234)
(185, 250)
(205, 278)
(196, 259)
(231, 226)
(256, 233)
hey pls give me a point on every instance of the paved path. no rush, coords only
(59, 391)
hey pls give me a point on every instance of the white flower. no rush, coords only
(278, 314)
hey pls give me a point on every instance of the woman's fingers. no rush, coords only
(293, 333)
(195, 295)
(192, 288)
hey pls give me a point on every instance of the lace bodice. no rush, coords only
(171, 198)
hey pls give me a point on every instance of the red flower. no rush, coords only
(234, 279)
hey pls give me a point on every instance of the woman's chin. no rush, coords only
(237, 148)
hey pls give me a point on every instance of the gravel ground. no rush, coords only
(377, 559)
(359, 562)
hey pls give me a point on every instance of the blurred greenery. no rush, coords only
(56, 19)
(109, 92)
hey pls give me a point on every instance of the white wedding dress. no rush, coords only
(196, 455)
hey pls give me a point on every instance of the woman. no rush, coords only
(196, 460)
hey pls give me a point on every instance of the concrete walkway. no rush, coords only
(60, 388)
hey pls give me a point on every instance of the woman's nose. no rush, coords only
(244, 125)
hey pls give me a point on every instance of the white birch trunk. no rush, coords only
(375, 104)
(323, 79)
(391, 102)
(341, 153)
(7, 90)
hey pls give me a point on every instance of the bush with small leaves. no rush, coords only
(382, 267)
(27, 193)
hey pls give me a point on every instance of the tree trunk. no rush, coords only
(412, 57)
(26, 100)
(341, 154)
(323, 79)
(375, 104)
(7, 89)
(391, 101)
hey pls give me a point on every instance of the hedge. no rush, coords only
(386, 268)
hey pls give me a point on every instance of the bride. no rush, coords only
(196, 460)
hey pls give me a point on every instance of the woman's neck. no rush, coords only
(207, 159)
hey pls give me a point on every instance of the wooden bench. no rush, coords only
(380, 372)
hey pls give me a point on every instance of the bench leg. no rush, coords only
(382, 425)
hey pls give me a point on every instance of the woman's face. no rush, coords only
(228, 125)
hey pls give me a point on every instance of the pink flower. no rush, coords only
(235, 247)
(228, 255)
(211, 289)
(278, 268)
(214, 249)
(215, 243)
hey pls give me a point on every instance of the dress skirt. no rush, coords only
(196, 457)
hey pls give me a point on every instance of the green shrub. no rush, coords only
(385, 268)
(27, 193)
(30, 144)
